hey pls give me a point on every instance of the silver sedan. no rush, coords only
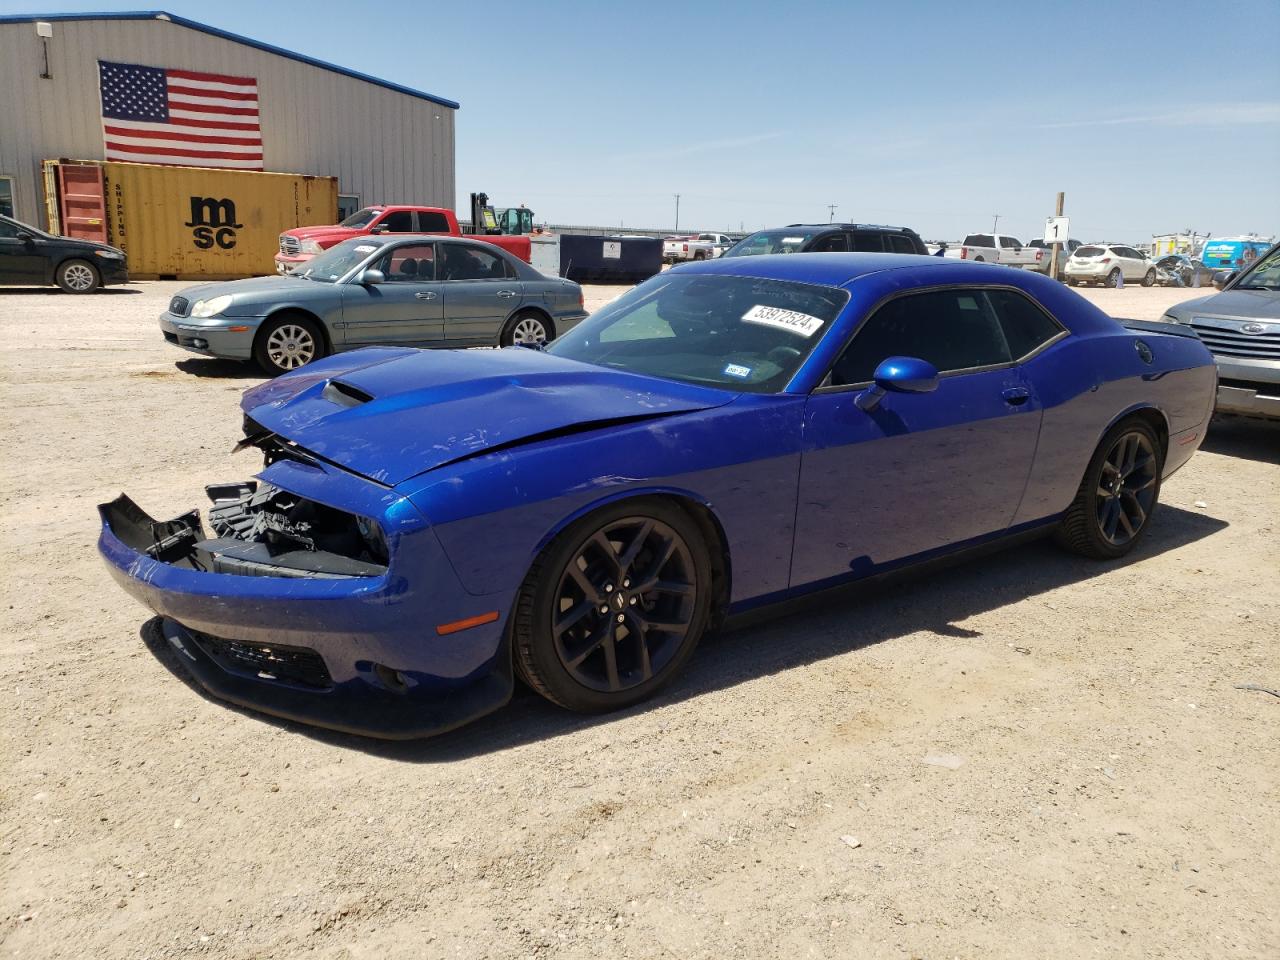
(425, 291)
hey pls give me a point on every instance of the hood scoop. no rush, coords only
(344, 394)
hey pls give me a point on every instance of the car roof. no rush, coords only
(826, 269)
(843, 226)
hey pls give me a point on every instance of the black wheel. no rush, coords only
(77, 276)
(614, 607)
(1072, 282)
(1113, 278)
(1150, 279)
(699, 255)
(526, 327)
(979, 260)
(1115, 501)
(287, 343)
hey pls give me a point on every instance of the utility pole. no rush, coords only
(677, 230)
(1057, 245)
(831, 212)
(995, 222)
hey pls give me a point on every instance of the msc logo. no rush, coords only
(214, 222)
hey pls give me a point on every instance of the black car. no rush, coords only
(830, 238)
(32, 257)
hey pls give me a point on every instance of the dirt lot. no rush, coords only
(1037, 755)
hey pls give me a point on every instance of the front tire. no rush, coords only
(1113, 507)
(287, 343)
(1150, 279)
(615, 607)
(77, 276)
(527, 327)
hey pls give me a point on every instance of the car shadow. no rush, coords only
(1244, 437)
(812, 631)
(57, 291)
(221, 369)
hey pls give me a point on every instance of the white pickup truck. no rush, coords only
(703, 246)
(997, 248)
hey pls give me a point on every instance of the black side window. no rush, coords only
(8, 230)
(432, 223)
(409, 264)
(1025, 325)
(952, 329)
(900, 244)
(399, 222)
(470, 263)
(864, 242)
(832, 243)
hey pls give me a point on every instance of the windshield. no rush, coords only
(1265, 274)
(336, 262)
(791, 240)
(361, 218)
(737, 333)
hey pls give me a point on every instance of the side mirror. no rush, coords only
(900, 375)
(1220, 280)
(380, 228)
(26, 237)
(370, 277)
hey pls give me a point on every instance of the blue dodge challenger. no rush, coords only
(431, 524)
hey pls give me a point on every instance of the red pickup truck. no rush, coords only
(299, 245)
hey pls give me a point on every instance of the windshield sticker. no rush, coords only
(789, 320)
(366, 248)
(736, 370)
(793, 239)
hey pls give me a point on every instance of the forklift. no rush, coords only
(509, 221)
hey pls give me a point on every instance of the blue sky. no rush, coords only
(934, 115)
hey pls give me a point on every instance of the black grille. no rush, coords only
(288, 245)
(1257, 386)
(297, 665)
(1226, 341)
(178, 306)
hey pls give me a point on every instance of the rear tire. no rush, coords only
(77, 276)
(1121, 487)
(1150, 279)
(614, 607)
(527, 326)
(287, 343)
(1113, 278)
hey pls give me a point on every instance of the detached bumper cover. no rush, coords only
(355, 653)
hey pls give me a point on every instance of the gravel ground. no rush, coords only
(1031, 755)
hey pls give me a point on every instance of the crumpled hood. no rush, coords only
(392, 413)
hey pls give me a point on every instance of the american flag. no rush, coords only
(157, 115)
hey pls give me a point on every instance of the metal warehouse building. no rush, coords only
(62, 78)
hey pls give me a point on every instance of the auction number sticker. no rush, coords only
(736, 370)
(790, 320)
(366, 248)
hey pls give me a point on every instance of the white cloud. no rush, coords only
(1198, 115)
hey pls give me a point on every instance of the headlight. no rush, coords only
(309, 246)
(211, 308)
(108, 254)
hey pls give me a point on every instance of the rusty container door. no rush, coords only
(199, 223)
(80, 201)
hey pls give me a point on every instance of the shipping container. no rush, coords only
(193, 222)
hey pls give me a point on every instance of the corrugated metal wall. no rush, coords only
(384, 146)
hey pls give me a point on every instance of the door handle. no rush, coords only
(425, 296)
(506, 293)
(1016, 396)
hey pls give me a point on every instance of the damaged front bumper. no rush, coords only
(315, 599)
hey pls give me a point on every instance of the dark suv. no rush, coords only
(829, 238)
(31, 256)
